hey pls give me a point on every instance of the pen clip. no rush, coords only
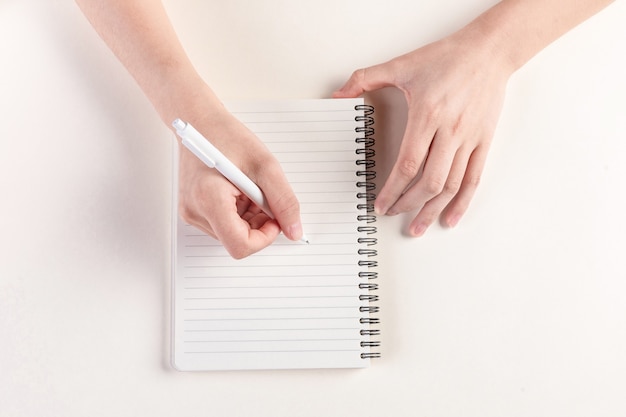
(193, 146)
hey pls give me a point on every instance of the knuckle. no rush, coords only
(452, 187)
(186, 213)
(408, 168)
(238, 251)
(238, 247)
(286, 204)
(434, 186)
(432, 110)
(458, 126)
(359, 75)
(473, 181)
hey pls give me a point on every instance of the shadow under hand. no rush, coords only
(390, 122)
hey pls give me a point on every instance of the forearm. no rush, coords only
(140, 34)
(516, 30)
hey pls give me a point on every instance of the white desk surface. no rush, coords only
(520, 311)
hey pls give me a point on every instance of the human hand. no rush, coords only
(212, 204)
(454, 89)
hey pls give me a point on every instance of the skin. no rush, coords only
(454, 89)
(142, 37)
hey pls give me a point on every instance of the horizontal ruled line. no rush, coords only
(302, 131)
(272, 330)
(265, 266)
(316, 181)
(330, 222)
(261, 255)
(274, 351)
(274, 318)
(272, 340)
(316, 121)
(289, 141)
(343, 171)
(270, 298)
(261, 277)
(308, 152)
(351, 192)
(268, 286)
(297, 111)
(351, 212)
(270, 308)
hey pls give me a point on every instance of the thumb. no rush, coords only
(366, 79)
(283, 202)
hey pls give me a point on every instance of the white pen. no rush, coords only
(213, 158)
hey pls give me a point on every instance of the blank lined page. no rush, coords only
(292, 305)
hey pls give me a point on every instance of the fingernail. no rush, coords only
(294, 231)
(419, 230)
(454, 220)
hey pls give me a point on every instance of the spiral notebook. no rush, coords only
(292, 305)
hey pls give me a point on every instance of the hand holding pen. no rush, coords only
(226, 203)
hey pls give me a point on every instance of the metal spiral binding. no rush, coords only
(365, 183)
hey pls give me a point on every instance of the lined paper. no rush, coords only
(292, 305)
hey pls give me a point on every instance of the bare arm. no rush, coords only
(519, 29)
(142, 37)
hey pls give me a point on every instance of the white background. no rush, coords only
(520, 311)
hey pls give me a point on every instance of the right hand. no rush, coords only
(211, 203)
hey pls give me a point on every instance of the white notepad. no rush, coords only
(292, 305)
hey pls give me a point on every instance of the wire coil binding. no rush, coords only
(366, 175)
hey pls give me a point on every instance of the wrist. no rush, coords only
(517, 30)
(183, 94)
(489, 39)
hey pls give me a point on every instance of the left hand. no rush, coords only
(454, 89)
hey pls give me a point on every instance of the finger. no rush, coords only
(431, 181)
(251, 213)
(366, 79)
(257, 221)
(459, 204)
(200, 224)
(239, 237)
(434, 207)
(191, 216)
(282, 201)
(246, 209)
(418, 136)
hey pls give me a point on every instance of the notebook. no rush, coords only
(292, 305)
